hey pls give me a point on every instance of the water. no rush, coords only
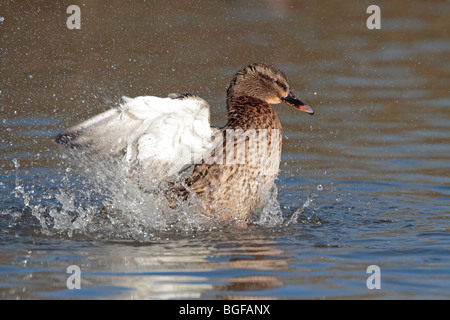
(368, 174)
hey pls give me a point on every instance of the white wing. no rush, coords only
(161, 135)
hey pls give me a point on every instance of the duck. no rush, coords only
(170, 142)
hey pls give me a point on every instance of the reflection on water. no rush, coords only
(148, 271)
(378, 145)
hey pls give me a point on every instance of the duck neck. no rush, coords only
(248, 112)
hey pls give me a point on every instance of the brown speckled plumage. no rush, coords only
(239, 190)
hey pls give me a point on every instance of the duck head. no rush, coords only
(265, 82)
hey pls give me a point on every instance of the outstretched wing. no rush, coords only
(161, 135)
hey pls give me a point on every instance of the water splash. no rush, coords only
(295, 215)
(98, 198)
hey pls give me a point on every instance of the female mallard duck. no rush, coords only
(231, 169)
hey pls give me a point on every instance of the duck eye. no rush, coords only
(272, 79)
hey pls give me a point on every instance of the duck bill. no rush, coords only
(291, 100)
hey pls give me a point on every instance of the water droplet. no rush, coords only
(16, 163)
(338, 199)
(319, 187)
(30, 76)
(2, 19)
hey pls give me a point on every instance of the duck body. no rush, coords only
(231, 170)
(236, 188)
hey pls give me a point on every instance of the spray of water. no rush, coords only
(97, 197)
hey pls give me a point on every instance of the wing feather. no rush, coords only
(161, 135)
